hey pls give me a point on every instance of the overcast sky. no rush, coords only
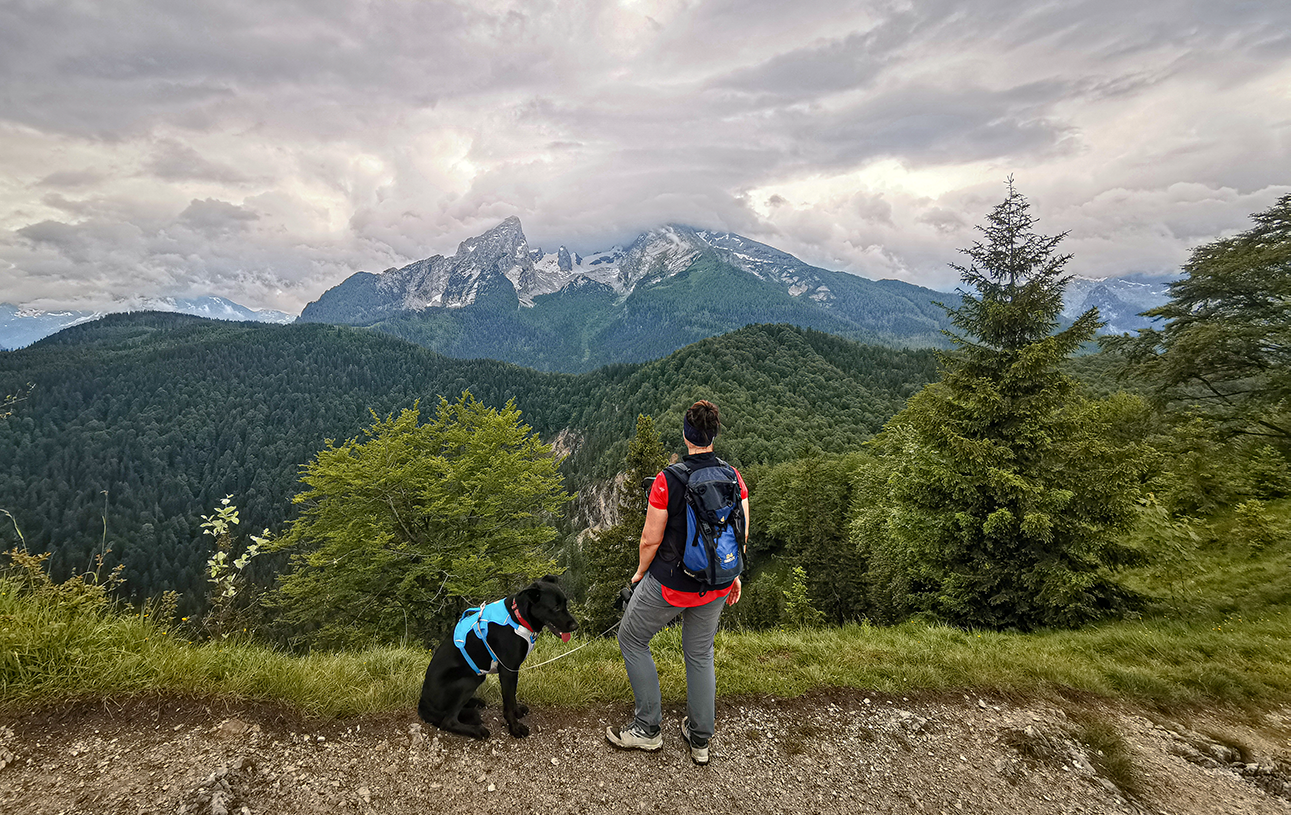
(265, 150)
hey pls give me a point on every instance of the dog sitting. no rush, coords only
(496, 637)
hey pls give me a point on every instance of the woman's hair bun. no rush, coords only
(704, 417)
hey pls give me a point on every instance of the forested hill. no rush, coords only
(148, 420)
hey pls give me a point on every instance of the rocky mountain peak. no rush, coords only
(503, 238)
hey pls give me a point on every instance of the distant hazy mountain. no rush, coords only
(214, 308)
(21, 326)
(1119, 300)
(496, 297)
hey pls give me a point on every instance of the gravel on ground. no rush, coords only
(837, 751)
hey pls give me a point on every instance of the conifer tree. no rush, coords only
(1225, 346)
(611, 554)
(1001, 494)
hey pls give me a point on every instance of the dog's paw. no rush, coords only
(522, 710)
(518, 729)
(480, 732)
(476, 702)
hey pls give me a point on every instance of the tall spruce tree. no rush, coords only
(1001, 493)
(611, 554)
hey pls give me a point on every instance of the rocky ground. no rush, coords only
(827, 752)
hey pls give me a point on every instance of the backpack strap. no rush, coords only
(681, 470)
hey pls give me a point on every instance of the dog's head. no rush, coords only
(543, 605)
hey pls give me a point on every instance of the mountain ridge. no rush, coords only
(440, 281)
(669, 287)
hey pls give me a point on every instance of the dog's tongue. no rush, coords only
(564, 636)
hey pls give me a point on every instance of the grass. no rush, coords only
(47, 655)
(1110, 754)
(1228, 648)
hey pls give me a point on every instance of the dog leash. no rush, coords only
(571, 650)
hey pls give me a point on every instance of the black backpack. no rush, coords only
(713, 549)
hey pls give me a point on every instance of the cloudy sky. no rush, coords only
(266, 150)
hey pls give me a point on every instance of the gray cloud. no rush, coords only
(943, 220)
(266, 151)
(172, 161)
(70, 179)
(213, 217)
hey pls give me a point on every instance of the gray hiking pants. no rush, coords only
(646, 616)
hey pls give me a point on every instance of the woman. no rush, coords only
(663, 589)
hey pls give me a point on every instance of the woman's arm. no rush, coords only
(651, 537)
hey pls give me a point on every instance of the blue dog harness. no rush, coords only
(474, 620)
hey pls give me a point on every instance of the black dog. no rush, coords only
(448, 698)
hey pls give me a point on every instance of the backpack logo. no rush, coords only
(712, 552)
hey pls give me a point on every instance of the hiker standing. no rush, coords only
(705, 498)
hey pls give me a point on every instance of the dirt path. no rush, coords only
(834, 752)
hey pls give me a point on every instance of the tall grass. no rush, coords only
(49, 654)
(1229, 645)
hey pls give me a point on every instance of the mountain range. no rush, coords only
(498, 297)
(20, 326)
(1120, 300)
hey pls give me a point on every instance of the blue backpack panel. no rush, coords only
(713, 550)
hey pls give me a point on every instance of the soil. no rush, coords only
(839, 751)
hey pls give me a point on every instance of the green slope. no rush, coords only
(167, 414)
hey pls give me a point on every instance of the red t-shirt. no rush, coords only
(659, 492)
(688, 599)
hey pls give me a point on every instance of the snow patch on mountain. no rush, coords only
(21, 325)
(504, 253)
(1120, 301)
(214, 308)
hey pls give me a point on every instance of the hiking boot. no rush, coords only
(698, 746)
(634, 737)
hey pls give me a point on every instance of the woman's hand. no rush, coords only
(734, 596)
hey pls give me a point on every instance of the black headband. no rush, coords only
(694, 435)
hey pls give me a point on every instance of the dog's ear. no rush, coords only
(551, 578)
(533, 594)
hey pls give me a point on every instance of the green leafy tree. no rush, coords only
(401, 531)
(1269, 474)
(999, 493)
(1226, 343)
(611, 554)
(225, 573)
(1198, 478)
